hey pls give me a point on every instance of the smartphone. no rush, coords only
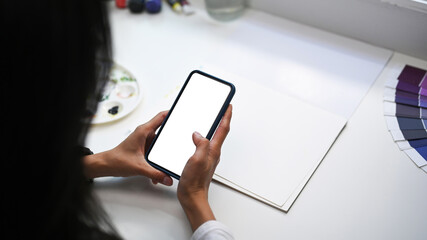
(199, 106)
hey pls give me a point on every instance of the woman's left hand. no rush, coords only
(128, 158)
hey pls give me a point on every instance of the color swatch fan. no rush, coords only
(405, 110)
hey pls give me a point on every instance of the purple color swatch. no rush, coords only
(410, 94)
(403, 110)
(422, 101)
(423, 85)
(406, 98)
(423, 91)
(408, 87)
(410, 99)
(412, 75)
(423, 113)
(424, 81)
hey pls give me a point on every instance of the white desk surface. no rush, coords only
(365, 188)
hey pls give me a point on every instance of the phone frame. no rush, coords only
(211, 130)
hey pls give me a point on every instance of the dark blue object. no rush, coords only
(136, 6)
(410, 123)
(413, 134)
(153, 6)
(422, 151)
(418, 143)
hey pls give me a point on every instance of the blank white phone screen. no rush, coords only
(196, 110)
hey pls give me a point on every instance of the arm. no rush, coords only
(127, 159)
(194, 183)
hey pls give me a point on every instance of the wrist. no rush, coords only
(197, 209)
(95, 165)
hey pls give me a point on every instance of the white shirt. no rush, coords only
(212, 230)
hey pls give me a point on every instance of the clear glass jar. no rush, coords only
(225, 10)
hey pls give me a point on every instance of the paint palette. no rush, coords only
(405, 110)
(121, 96)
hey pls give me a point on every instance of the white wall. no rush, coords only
(372, 21)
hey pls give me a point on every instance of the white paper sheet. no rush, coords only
(275, 144)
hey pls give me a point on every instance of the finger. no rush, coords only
(158, 176)
(156, 121)
(223, 129)
(148, 129)
(149, 141)
(202, 146)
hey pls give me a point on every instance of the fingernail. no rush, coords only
(198, 134)
(167, 181)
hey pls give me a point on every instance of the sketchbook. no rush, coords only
(275, 144)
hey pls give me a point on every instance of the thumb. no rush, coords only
(199, 140)
(202, 144)
(158, 176)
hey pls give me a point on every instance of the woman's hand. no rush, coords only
(128, 158)
(196, 177)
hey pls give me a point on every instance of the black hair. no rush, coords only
(56, 56)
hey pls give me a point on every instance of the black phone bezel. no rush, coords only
(212, 129)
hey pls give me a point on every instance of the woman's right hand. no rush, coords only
(197, 175)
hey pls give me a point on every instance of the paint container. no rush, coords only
(175, 5)
(186, 7)
(136, 6)
(121, 3)
(225, 10)
(153, 6)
